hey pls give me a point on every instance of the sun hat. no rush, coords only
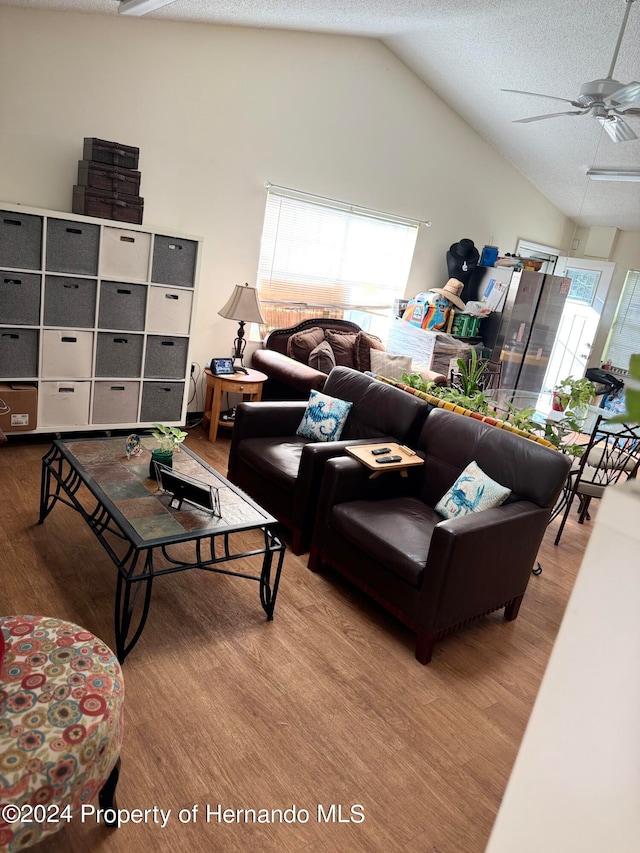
(451, 291)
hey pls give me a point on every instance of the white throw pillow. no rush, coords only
(324, 418)
(473, 491)
(388, 365)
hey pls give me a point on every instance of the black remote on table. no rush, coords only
(389, 459)
(380, 450)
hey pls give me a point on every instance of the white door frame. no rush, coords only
(572, 309)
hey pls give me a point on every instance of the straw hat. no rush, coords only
(451, 291)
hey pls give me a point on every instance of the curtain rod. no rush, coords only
(351, 208)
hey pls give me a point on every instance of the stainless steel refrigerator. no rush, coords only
(521, 336)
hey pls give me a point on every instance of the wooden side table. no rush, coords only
(249, 385)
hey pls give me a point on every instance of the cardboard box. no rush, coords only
(18, 407)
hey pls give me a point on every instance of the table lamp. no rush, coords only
(243, 306)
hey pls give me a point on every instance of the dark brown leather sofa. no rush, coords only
(290, 379)
(282, 471)
(435, 575)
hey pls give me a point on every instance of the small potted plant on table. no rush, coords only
(169, 439)
(573, 395)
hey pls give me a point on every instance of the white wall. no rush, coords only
(217, 111)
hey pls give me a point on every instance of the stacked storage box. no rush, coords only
(108, 182)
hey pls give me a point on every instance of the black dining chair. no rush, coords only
(611, 456)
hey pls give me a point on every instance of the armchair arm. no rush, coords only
(258, 420)
(480, 560)
(288, 371)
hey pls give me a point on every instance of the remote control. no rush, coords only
(380, 450)
(387, 459)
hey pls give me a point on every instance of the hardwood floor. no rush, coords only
(324, 705)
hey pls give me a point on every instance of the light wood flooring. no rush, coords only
(324, 705)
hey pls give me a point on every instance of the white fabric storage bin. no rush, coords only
(115, 402)
(66, 352)
(64, 403)
(169, 310)
(125, 254)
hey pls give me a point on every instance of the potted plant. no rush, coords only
(169, 439)
(572, 394)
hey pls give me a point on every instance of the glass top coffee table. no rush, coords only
(146, 534)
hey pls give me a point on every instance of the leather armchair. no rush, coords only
(282, 471)
(435, 575)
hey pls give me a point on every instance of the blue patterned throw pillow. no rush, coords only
(324, 418)
(473, 491)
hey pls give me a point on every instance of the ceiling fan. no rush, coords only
(606, 99)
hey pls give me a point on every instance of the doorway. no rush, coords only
(572, 349)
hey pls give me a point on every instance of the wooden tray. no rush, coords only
(362, 452)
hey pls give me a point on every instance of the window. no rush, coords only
(624, 338)
(584, 284)
(326, 259)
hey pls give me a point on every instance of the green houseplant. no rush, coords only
(572, 394)
(169, 438)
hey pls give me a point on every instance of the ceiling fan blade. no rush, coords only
(627, 96)
(550, 115)
(617, 128)
(538, 95)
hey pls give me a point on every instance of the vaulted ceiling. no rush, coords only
(467, 51)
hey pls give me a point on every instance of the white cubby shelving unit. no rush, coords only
(97, 316)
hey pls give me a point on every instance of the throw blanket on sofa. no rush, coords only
(460, 410)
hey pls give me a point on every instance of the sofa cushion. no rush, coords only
(301, 344)
(395, 532)
(322, 357)
(389, 365)
(343, 345)
(379, 410)
(275, 458)
(473, 491)
(324, 417)
(364, 344)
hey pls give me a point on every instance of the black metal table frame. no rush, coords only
(136, 568)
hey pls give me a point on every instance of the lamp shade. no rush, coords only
(243, 305)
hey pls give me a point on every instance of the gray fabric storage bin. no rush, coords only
(166, 357)
(72, 247)
(174, 261)
(122, 306)
(20, 298)
(115, 402)
(161, 402)
(69, 302)
(20, 240)
(119, 354)
(18, 353)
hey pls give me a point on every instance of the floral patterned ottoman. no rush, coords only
(61, 702)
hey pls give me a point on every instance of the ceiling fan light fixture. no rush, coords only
(613, 174)
(141, 7)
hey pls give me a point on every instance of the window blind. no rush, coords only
(624, 339)
(319, 260)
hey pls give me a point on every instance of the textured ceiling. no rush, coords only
(467, 51)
